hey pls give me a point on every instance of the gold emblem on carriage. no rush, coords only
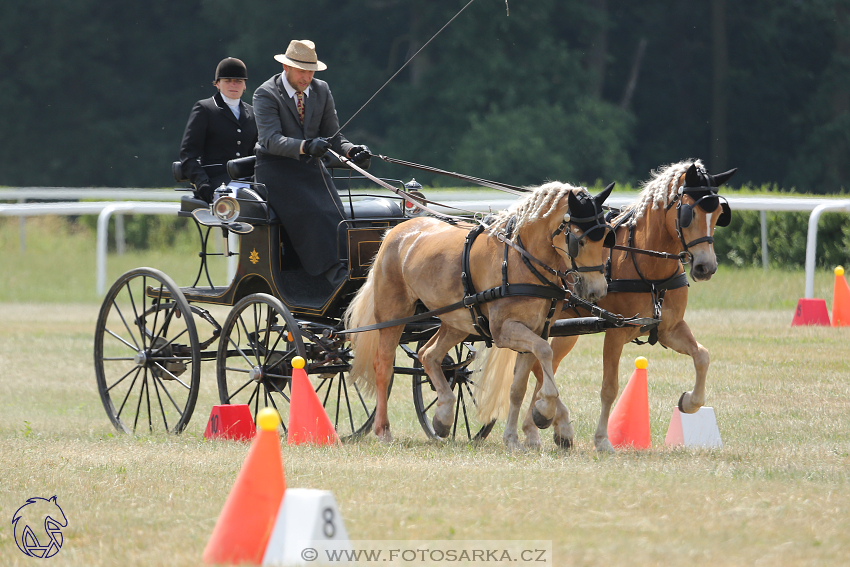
(254, 257)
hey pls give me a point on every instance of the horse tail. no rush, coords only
(494, 372)
(359, 313)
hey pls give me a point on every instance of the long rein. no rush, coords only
(420, 203)
(563, 292)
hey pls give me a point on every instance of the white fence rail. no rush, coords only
(476, 200)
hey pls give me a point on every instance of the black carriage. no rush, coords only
(152, 335)
(148, 351)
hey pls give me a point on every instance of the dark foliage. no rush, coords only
(97, 93)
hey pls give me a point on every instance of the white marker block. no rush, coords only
(308, 524)
(694, 429)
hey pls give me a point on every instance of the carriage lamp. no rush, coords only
(413, 187)
(226, 209)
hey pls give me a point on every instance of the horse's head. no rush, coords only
(586, 234)
(699, 210)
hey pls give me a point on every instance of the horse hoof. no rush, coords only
(385, 435)
(682, 397)
(563, 442)
(540, 421)
(440, 430)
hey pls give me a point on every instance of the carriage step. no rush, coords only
(203, 291)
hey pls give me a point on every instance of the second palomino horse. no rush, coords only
(511, 267)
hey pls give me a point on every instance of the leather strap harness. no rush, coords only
(472, 299)
(656, 288)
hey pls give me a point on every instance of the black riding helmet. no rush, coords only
(231, 68)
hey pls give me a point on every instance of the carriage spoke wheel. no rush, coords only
(456, 368)
(258, 341)
(147, 356)
(254, 366)
(351, 411)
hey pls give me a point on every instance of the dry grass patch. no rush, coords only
(776, 494)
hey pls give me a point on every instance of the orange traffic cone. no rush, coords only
(840, 300)
(308, 421)
(628, 425)
(242, 531)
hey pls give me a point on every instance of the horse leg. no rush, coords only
(611, 352)
(532, 433)
(431, 356)
(388, 342)
(518, 389)
(563, 431)
(680, 338)
(515, 335)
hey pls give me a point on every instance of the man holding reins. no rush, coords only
(297, 124)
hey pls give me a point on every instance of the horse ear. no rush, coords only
(721, 178)
(572, 202)
(604, 194)
(692, 177)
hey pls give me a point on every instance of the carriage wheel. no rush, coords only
(146, 354)
(456, 369)
(254, 366)
(350, 410)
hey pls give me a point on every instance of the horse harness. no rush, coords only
(548, 289)
(706, 198)
(472, 300)
(656, 288)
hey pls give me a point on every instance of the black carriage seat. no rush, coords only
(242, 169)
(252, 200)
(188, 203)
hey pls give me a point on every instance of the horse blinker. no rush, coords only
(708, 203)
(572, 244)
(725, 216)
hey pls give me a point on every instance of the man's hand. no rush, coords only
(316, 147)
(359, 154)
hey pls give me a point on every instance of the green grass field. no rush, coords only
(777, 493)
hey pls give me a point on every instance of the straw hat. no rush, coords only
(301, 53)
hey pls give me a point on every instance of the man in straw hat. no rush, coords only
(297, 123)
(219, 129)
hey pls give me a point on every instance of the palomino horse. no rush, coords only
(676, 213)
(423, 259)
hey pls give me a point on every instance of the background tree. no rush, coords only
(98, 93)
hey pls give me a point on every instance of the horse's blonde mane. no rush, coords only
(662, 186)
(539, 204)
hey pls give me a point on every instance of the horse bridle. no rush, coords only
(707, 199)
(572, 242)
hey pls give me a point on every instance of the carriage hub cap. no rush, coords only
(141, 358)
(256, 373)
